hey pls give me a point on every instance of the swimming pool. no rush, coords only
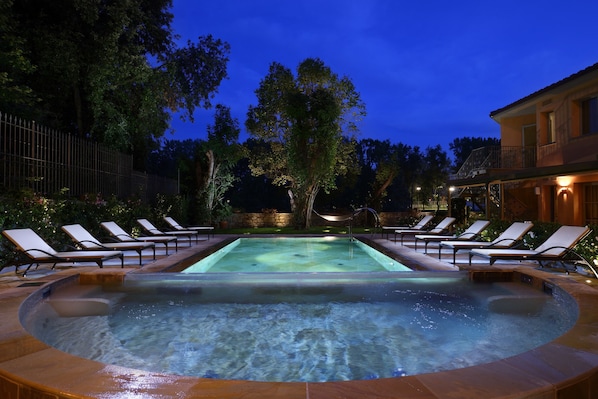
(296, 254)
(306, 328)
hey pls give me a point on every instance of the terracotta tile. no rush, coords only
(207, 388)
(555, 364)
(35, 393)
(19, 344)
(52, 367)
(386, 388)
(103, 276)
(8, 388)
(120, 382)
(493, 380)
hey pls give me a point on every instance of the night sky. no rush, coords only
(428, 72)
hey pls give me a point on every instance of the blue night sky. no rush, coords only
(427, 71)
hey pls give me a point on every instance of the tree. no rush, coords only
(255, 193)
(307, 122)
(436, 167)
(214, 170)
(111, 70)
(383, 162)
(15, 67)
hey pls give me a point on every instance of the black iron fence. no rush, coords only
(47, 161)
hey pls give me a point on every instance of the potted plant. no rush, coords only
(222, 213)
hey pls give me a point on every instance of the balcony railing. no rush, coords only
(485, 158)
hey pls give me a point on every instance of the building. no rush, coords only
(546, 167)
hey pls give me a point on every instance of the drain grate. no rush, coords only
(32, 284)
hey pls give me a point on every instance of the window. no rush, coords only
(591, 203)
(550, 130)
(589, 116)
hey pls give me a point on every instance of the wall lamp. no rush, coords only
(563, 182)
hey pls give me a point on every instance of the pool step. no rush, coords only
(80, 307)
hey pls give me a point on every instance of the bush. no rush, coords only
(46, 215)
(587, 248)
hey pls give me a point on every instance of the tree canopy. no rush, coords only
(107, 70)
(307, 122)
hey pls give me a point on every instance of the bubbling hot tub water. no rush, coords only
(305, 328)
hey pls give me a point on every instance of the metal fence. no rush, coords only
(47, 161)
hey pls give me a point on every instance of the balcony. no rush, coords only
(482, 160)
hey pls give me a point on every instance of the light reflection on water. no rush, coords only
(290, 331)
(296, 254)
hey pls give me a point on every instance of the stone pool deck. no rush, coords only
(566, 368)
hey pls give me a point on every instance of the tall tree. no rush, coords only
(111, 70)
(214, 169)
(307, 122)
(15, 66)
(385, 161)
(436, 168)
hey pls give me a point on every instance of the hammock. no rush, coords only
(343, 218)
(336, 218)
(349, 217)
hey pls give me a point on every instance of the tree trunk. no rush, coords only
(304, 207)
(209, 181)
(292, 200)
(310, 206)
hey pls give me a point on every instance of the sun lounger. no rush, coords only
(555, 248)
(85, 240)
(471, 233)
(441, 228)
(423, 222)
(154, 231)
(174, 224)
(507, 239)
(117, 232)
(29, 243)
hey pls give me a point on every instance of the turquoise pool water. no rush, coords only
(304, 327)
(296, 254)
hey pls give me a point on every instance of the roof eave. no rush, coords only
(524, 103)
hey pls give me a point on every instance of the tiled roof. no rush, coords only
(561, 82)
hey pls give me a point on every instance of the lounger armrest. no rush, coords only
(26, 251)
(94, 243)
(505, 240)
(128, 237)
(566, 249)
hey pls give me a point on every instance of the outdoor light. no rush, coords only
(563, 182)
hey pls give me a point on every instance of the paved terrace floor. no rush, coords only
(566, 368)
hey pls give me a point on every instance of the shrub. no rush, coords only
(45, 215)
